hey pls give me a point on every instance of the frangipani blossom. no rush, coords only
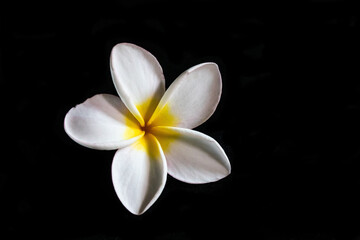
(151, 128)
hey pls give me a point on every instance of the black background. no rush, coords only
(288, 118)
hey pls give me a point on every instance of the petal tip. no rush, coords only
(208, 64)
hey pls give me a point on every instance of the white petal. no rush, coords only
(139, 174)
(192, 157)
(138, 79)
(102, 122)
(191, 99)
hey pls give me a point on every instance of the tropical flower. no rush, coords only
(151, 128)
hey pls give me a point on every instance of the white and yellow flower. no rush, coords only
(151, 128)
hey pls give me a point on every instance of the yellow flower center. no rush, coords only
(146, 128)
(158, 117)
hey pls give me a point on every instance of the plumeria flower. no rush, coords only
(151, 128)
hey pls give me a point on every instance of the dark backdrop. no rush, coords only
(288, 118)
